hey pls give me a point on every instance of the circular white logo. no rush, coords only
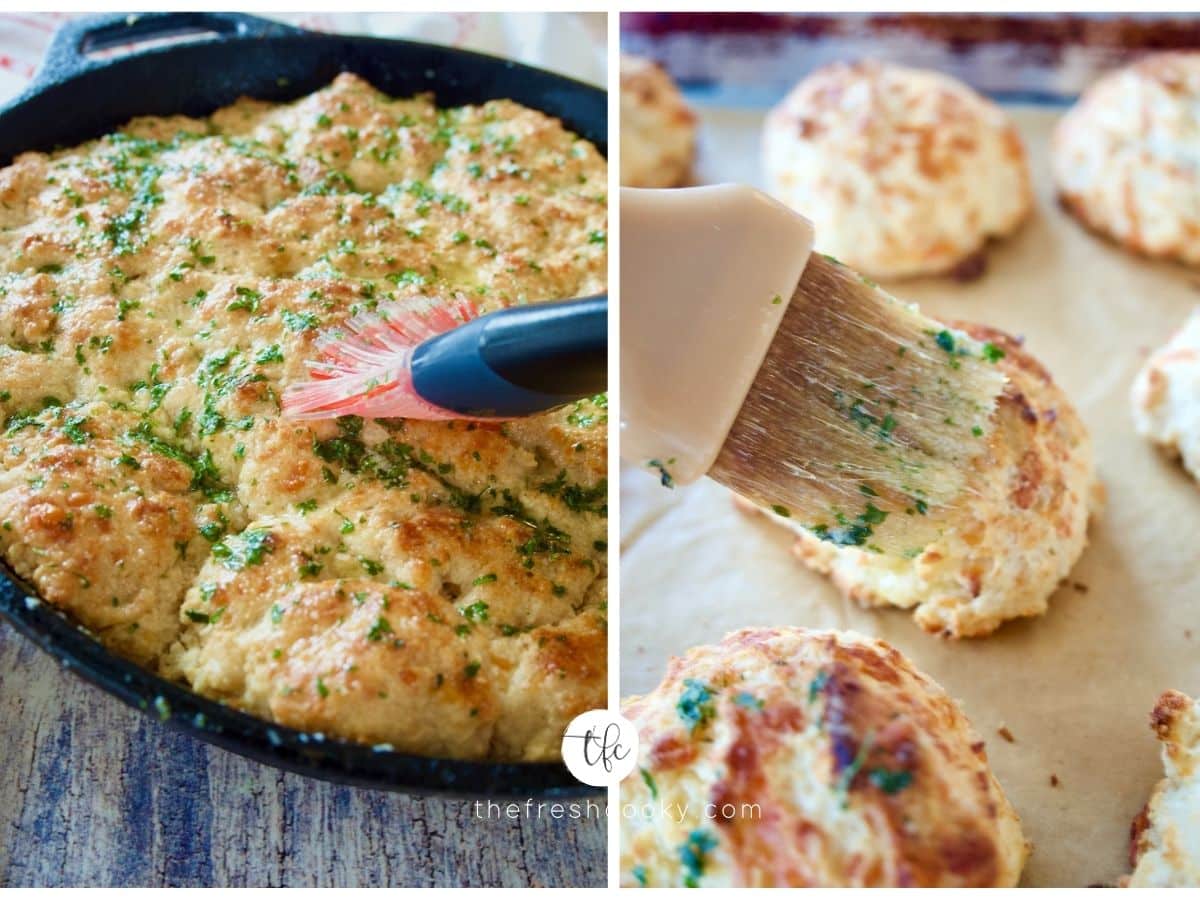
(600, 747)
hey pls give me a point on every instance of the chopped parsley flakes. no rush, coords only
(648, 779)
(851, 532)
(379, 629)
(850, 772)
(247, 549)
(695, 704)
(664, 477)
(476, 612)
(888, 781)
(694, 855)
(299, 321)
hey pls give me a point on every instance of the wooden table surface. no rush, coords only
(93, 793)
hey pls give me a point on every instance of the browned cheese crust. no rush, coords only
(439, 587)
(790, 757)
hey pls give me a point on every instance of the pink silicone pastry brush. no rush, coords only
(424, 359)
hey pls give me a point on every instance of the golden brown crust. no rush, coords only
(167, 283)
(337, 652)
(1169, 710)
(106, 534)
(555, 672)
(1137, 829)
(824, 759)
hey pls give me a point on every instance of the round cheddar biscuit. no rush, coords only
(903, 171)
(790, 757)
(658, 129)
(1125, 157)
(1024, 527)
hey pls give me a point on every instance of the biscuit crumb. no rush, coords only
(970, 268)
(1053, 780)
(1006, 734)
(1079, 586)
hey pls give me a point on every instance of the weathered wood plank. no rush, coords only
(93, 793)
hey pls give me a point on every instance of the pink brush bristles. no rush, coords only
(365, 366)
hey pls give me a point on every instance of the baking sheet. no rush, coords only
(1074, 687)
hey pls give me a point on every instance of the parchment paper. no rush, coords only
(1074, 687)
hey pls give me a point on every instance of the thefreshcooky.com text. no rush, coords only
(594, 809)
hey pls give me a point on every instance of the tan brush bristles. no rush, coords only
(865, 418)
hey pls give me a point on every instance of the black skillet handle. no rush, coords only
(74, 41)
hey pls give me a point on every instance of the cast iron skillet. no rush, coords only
(75, 97)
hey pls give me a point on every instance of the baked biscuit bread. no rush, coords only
(1014, 541)
(1125, 157)
(658, 129)
(1166, 396)
(903, 171)
(105, 530)
(1165, 838)
(390, 616)
(435, 586)
(789, 757)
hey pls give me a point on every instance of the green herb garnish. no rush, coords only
(665, 478)
(299, 321)
(476, 612)
(817, 685)
(379, 629)
(247, 549)
(842, 788)
(695, 704)
(890, 782)
(694, 855)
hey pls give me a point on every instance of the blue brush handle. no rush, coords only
(517, 361)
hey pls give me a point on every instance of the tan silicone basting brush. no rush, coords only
(790, 378)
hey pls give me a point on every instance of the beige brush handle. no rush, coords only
(706, 274)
